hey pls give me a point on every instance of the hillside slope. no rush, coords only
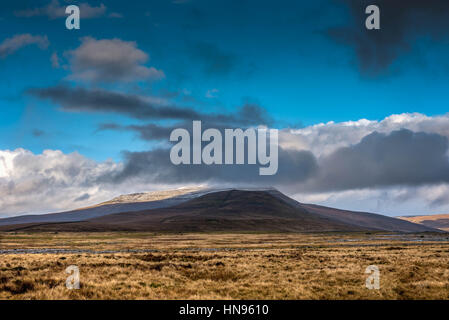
(124, 203)
(235, 210)
(438, 221)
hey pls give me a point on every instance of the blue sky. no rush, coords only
(280, 58)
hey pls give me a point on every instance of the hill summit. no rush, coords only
(211, 210)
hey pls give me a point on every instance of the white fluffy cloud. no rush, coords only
(324, 138)
(110, 60)
(35, 183)
(54, 181)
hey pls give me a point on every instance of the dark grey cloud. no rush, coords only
(214, 60)
(153, 131)
(294, 167)
(247, 115)
(401, 158)
(142, 107)
(98, 100)
(402, 23)
(147, 132)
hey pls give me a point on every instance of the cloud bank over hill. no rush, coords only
(379, 163)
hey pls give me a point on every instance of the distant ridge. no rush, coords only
(438, 221)
(124, 203)
(223, 210)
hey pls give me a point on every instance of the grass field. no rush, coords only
(223, 266)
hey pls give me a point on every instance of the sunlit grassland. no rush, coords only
(224, 266)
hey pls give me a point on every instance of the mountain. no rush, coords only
(437, 221)
(123, 203)
(227, 210)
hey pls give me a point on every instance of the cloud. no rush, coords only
(147, 132)
(360, 165)
(212, 93)
(325, 138)
(34, 183)
(142, 107)
(53, 181)
(245, 117)
(398, 200)
(294, 167)
(54, 10)
(347, 156)
(110, 60)
(98, 100)
(55, 60)
(215, 62)
(38, 133)
(11, 45)
(401, 25)
(400, 158)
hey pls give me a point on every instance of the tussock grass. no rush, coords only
(226, 266)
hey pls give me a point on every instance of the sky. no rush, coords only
(85, 115)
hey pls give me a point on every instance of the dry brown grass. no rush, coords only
(225, 266)
(438, 221)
